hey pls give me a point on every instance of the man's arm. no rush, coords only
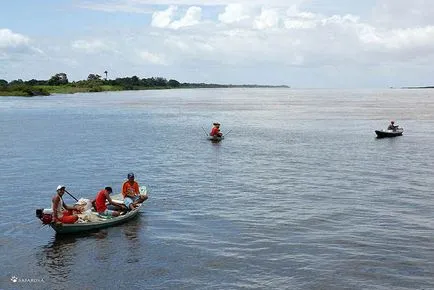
(55, 207)
(71, 207)
(110, 200)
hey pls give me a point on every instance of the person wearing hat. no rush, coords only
(131, 192)
(215, 131)
(63, 213)
(392, 126)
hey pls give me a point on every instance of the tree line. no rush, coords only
(96, 83)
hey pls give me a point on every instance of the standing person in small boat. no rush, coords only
(215, 131)
(131, 192)
(100, 203)
(392, 126)
(63, 213)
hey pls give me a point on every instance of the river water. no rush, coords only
(299, 195)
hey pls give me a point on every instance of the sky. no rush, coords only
(298, 43)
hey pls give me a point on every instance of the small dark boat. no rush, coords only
(215, 138)
(389, 133)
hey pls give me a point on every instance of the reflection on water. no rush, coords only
(67, 257)
(62, 253)
(131, 230)
(58, 256)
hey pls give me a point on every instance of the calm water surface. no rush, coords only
(300, 195)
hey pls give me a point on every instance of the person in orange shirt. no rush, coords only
(215, 131)
(100, 203)
(131, 192)
(63, 213)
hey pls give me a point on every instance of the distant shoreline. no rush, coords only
(36, 91)
(424, 87)
(59, 84)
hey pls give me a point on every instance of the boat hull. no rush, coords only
(85, 227)
(388, 133)
(91, 220)
(215, 138)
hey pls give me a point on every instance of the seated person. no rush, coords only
(215, 131)
(100, 203)
(63, 213)
(131, 193)
(392, 126)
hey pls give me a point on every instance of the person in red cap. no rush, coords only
(215, 131)
(63, 213)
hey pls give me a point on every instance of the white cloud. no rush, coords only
(164, 19)
(403, 40)
(9, 39)
(403, 13)
(152, 58)
(296, 19)
(292, 37)
(269, 18)
(191, 17)
(340, 20)
(12, 43)
(234, 13)
(190, 47)
(299, 24)
(90, 46)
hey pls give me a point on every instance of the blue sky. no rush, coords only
(300, 43)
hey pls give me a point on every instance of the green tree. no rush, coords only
(93, 77)
(58, 79)
(173, 84)
(17, 82)
(158, 82)
(135, 81)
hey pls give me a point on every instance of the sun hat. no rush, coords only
(216, 124)
(59, 187)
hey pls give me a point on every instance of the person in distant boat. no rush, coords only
(131, 192)
(392, 126)
(215, 131)
(100, 203)
(63, 213)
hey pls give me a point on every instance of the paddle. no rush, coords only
(71, 195)
(227, 133)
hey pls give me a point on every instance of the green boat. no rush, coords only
(88, 221)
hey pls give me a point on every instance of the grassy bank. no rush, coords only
(46, 90)
(68, 89)
(59, 84)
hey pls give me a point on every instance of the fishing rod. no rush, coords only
(204, 131)
(227, 133)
